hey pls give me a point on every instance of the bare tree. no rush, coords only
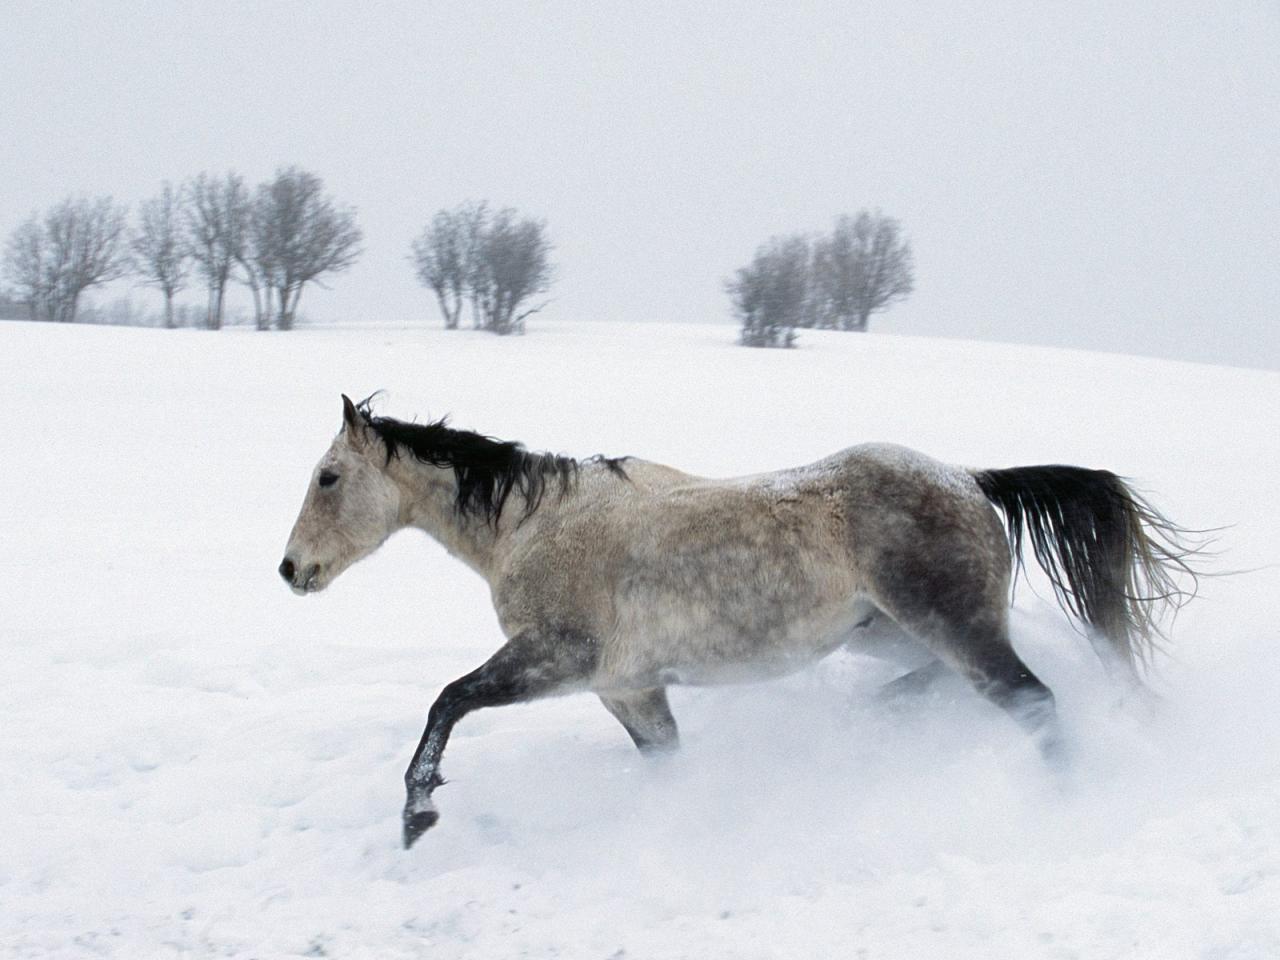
(302, 235)
(89, 239)
(257, 258)
(443, 257)
(437, 255)
(863, 267)
(238, 210)
(80, 243)
(160, 248)
(497, 261)
(770, 296)
(213, 211)
(474, 221)
(25, 267)
(512, 266)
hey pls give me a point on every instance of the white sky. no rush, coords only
(1102, 175)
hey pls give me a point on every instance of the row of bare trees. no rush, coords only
(275, 239)
(498, 262)
(287, 232)
(834, 282)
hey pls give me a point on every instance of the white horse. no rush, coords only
(622, 576)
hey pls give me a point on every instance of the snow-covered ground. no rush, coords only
(194, 762)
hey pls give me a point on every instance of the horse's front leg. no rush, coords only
(535, 663)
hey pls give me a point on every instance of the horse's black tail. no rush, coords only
(1115, 562)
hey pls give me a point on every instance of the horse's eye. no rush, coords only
(328, 478)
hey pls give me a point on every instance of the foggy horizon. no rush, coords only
(1095, 178)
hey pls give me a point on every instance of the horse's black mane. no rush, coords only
(487, 470)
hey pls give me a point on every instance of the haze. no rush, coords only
(1094, 175)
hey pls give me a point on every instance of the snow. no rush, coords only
(194, 762)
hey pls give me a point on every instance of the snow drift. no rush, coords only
(196, 763)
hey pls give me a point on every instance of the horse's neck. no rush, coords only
(428, 495)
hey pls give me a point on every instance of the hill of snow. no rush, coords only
(194, 762)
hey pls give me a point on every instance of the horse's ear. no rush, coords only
(352, 422)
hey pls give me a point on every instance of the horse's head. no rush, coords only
(351, 507)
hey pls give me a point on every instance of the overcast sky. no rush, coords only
(1102, 175)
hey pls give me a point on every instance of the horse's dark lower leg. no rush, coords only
(972, 639)
(531, 665)
(647, 718)
(999, 674)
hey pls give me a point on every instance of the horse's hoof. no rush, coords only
(416, 824)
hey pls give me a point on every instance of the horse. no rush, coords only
(621, 576)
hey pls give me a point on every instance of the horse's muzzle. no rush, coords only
(300, 585)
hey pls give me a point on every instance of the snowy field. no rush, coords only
(194, 762)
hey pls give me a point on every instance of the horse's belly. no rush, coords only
(686, 642)
(760, 665)
(754, 591)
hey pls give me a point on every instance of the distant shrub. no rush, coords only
(832, 282)
(496, 261)
(769, 295)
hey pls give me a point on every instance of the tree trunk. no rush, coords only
(168, 309)
(450, 317)
(288, 307)
(215, 307)
(504, 318)
(260, 319)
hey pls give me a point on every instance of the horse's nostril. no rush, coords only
(286, 569)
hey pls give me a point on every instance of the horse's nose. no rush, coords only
(286, 569)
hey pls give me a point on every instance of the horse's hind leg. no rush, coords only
(879, 635)
(983, 655)
(989, 662)
(915, 683)
(646, 716)
(970, 636)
